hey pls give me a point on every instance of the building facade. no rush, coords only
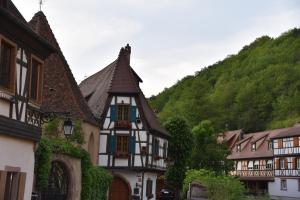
(133, 145)
(286, 184)
(267, 162)
(22, 55)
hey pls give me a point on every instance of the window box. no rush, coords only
(123, 124)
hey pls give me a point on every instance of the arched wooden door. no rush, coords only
(119, 190)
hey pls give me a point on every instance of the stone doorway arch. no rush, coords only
(72, 178)
(119, 189)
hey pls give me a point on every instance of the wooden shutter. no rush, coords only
(280, 143)
(111, 144)
(2, 183)
(133, 114)
(22, 183)
(296, 141)
(294, 163)
(113, 113)
(132, 145)
(285, 163)
(277, 164)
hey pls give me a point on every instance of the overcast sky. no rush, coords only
(169, 38)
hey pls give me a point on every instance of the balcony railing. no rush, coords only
(287, 150)
(287, 172)
(253, 173)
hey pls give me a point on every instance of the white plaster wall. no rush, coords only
(153, 177)
(126, 100)
(292, 188)
(18, 153)
(103, 142)
(135, 178)
(121, 162)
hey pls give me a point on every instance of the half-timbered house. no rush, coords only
(22, 55)
(287, 164)
(133, 145)
(253, 159)
(61, 94)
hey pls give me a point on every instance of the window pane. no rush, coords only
(5, 64)
(34, 80)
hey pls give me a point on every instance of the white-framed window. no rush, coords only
(283, 184)
(250, 165)
(269, 164)
(287, 142)
(270, 145)
(239, 165)
(256, 165)
(253, 147)
(282, 163)
(238, 148)
(297, 163)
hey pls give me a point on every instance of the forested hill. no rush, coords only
(257, 89)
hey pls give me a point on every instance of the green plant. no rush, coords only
(180, 146)
(91, 176)
(218, 187)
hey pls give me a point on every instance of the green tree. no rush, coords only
(180, 146)
(207, 153)
(256, 89)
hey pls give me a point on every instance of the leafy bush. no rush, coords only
(218, 187)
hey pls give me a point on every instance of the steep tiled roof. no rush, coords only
(261, 139)
(290, 132)
(60, 90)
(230, 137)
(117, 78)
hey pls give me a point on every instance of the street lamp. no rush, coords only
(68, 127)
(68, 124)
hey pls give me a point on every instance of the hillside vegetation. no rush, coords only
(257, 89)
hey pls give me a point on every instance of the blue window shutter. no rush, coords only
(111, 144)
(132, 145)
(133, 114)
(113, 113)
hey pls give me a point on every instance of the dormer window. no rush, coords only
(270, 145)
(253, 147)
(238, 148)
(7, 64)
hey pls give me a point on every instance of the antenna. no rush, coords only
(41, 2)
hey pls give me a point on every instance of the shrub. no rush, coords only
(218, 187)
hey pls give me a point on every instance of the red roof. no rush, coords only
(118, 78)
(261, 140)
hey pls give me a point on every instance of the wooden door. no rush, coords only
(119, 190)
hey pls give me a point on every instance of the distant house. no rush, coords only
(267, 162)
(287, 164)
(22, 56)
(133, 145)
(62, 94)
